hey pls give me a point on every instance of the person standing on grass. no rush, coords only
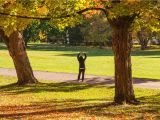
(81, 59)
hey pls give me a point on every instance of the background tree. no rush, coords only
(75, 35)
(96, 30)
(42, 31)
(31, 33)
(144, 27)
(144, 35)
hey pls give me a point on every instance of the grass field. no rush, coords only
(63, 101)
(145, 64)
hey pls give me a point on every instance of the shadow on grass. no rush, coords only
(154, 57)
(75, 108)
(91, 51)
(3, 46)
(80, 108)
(144, 80)
(68, 86)
(105, 52)
(67, 111)
(153, 53)
(46, 87)
(109, 81)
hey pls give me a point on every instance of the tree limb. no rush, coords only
(27, 17)
(94, 8)
(48, 17)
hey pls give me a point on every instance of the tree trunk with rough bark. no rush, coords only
(124, 92)
(17, 51)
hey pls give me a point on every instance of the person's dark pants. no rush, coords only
(83, 72)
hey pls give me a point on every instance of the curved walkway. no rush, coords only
(89, 79)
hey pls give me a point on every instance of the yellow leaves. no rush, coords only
(12, 7)
(42, 35)
(11, 24)
(154, 29)
(132, 1)
(43, 10)
(9, 1)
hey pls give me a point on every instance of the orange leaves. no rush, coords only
(43, 10)
(94, 4)
(91, 13)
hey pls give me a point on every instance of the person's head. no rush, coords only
(81, 58)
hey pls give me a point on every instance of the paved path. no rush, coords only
(90, 79)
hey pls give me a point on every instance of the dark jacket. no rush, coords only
(81, 61)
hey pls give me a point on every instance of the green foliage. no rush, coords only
(41, 30)
(31, 32)
(9, 23)
(75, 35)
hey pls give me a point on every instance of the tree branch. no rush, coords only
(27, 17)
(63, 16)
(94, 8)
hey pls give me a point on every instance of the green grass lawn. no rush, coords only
(145, 64)
(63, 101)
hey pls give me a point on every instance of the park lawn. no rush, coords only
(44, 57)
(63, 101)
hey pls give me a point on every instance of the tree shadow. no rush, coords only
(144, 80)
(91, 51)
(71, 108)
(96, 81)
(155, 52)
(66, 108)
(151, 104)
(105, 52)
(47, 87)
(154, 57)
(3, 46)
(109, 81)
(68, 86)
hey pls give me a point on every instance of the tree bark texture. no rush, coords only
(17, 51)
(124, 92)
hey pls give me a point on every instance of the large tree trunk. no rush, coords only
(17, 51)
(124, 92)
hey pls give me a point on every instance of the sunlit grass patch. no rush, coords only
(52, 100)
(46, 57)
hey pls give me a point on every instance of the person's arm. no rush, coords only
(85, 56)
(78, 56)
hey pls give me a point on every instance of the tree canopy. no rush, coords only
(17, 14)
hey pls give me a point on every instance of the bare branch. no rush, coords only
(27, 17)
(94, 8)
